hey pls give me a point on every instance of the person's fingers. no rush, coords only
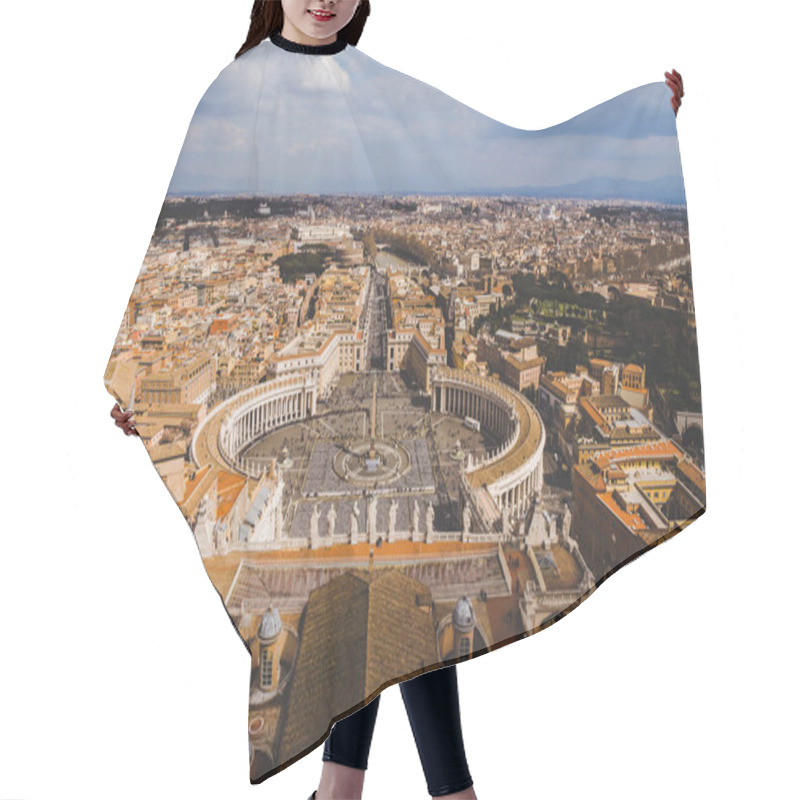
(118, 414)
(677, 93)
(127, 425)
(674, 79)
(122, 416)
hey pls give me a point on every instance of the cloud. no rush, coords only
(278, 122)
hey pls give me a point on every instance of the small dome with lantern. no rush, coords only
(271, 624)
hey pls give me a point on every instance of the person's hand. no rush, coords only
(124, 420)
(675, 82)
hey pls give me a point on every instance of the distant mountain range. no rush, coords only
(660, 190)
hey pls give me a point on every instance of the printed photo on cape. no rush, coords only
(418, 381)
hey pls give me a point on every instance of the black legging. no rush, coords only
(432, 706)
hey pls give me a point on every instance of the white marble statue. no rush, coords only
(372, 516)
(567, 523)
(204, 529)
(315, 523)
(331, 520)
(466, 520)
(537, 530)
(392, 517)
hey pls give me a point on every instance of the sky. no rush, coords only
(279, 122)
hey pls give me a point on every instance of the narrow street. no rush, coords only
(375, 356)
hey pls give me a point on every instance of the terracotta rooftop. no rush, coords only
(663, 449)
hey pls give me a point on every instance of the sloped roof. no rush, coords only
(358, 632)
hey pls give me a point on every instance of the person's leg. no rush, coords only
(346, 753)
(433, 710)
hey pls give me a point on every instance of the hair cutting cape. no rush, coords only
(419, 381)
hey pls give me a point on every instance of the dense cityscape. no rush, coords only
(453, 414)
